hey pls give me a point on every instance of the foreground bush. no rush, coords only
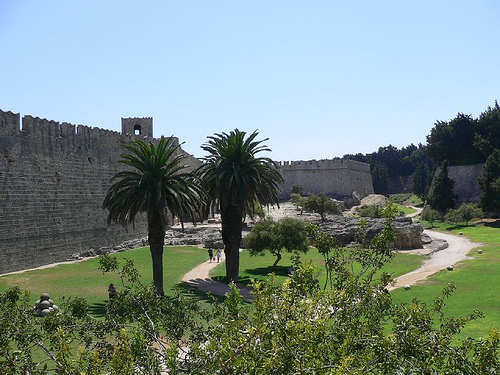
(294, 328)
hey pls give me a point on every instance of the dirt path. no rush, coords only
(457, 250)
(418, 211)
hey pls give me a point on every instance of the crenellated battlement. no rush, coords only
(53, 179)
(325, 164)
(337, 177)
(9, 123)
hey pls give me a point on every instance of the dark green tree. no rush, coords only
(442, 197)
(490, 184)
(487, 138)
(297, 189)
(236, 179)
(380, 177)
(288, 235)
(453, 141)
(298, 201)
(421, 180)
(322, 205)
(465, 213)
(155, 184)
(430, 215)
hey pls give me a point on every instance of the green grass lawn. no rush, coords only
(406, 199)
(259, 267)
(404, 209)
(477, 281)
(83, 279)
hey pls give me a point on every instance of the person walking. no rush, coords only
(218, 255)
(210, 254)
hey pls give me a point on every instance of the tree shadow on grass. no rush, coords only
(191, 290)
(493, 224)
(264, 271)
(259, 271)
(245, 280)
(98, 310)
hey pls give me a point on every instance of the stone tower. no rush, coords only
(138, 126)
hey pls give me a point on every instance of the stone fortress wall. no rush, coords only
(466, 184)
(53, 180)
(337, 178)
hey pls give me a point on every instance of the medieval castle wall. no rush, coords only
(53, 180)
(337, 178)
(466, 184)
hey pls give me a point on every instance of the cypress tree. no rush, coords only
(442, 197)
(490, 184)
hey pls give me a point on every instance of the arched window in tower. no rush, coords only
(137, 129)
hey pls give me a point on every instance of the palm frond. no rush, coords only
(232, 174)
(155, 182)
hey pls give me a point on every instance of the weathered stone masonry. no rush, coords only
(335, 177)
(53, 179)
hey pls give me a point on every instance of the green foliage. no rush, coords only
(487, 138)
(256, 179)
(322, 205)
(429, 214)
(453, 141)
(352, 326)
(257, 211)
(398, 162)
(465, 140)
(400, 198)
(258, 268)
(236, 179)
(405, 199)
(155, 184)
(298, 201)
(422, 178)
(288, 235)
(465, 213)
(374, 211)
(490, 183)
(442, 197)
(297, 189)
(380, 177)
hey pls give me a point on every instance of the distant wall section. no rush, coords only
(53, 180)
(466, 185)
(337, 178)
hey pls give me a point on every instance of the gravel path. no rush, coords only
(457, 250)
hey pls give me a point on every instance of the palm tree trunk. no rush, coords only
(231, 236)
(156, 237)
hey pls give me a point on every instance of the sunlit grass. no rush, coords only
(83, 279)
(259, 267)
(476, 281)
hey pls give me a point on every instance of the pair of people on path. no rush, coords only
(211, 255)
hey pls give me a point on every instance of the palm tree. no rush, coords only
(156, 185)
(236, 179)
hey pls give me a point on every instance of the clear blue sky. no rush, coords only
(319, 78)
